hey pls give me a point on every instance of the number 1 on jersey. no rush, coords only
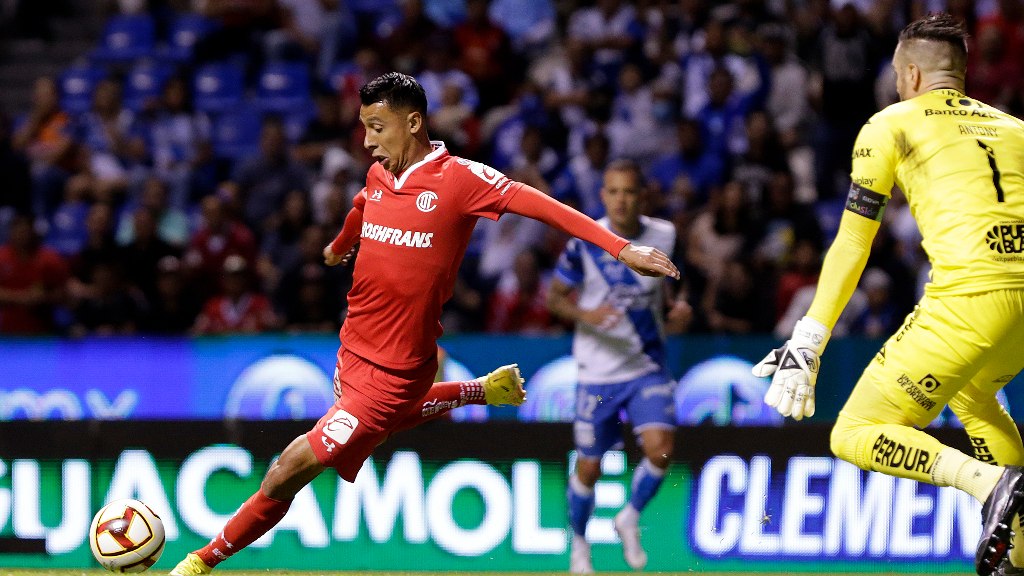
(995, 169)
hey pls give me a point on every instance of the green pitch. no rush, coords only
(26, 572)
(43, 572)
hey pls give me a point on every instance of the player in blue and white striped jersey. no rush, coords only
(619, 347)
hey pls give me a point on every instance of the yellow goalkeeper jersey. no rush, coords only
(960, 164)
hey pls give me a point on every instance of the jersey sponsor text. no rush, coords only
(397, 236)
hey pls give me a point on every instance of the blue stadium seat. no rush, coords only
(144, 83)
(336, 75)
(185, 30)
(218, 87)
(76, 87)
(126, 38)
(829, 213)
(236, 133)
(284, 88)
(295, 123)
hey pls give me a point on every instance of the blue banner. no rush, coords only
(290, 377)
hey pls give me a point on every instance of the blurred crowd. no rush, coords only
(167, 211)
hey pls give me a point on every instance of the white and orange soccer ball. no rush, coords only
(126, 536)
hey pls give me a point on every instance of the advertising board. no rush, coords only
(744, 500)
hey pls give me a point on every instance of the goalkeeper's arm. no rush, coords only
(794, 367)
(844, 263)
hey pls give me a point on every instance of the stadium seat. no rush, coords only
(338, 74)
(828, 213)
(144, 83)
(284, 88)
(67, 232)
(185, 31)
(76, 87)
(236, 133)
(126, 38)
(218, 87)
(295, 123)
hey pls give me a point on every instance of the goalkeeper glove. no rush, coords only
(794, 369)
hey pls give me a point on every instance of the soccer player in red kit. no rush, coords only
(413, 221)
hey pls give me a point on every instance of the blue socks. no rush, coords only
(647, 479)
(581, 505)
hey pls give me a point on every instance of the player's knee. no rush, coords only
(295, 468)
(588, 471)
(661, 460)
(841, 441)
(659, 454)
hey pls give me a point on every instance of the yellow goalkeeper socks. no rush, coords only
(954, 468)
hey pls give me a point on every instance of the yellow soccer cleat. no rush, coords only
(503, 386)
(191, 566)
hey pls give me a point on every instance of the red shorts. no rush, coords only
(373, 400)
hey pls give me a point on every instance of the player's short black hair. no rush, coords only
(395, 89)
(941, 27)
(626, 165)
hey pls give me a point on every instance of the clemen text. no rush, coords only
(397, 236)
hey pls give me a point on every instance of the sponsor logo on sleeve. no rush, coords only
(488, 175)
(867, 203)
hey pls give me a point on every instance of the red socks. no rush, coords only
(260, 513)
(443, 397)
(256, 516)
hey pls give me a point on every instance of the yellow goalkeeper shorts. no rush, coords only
(946, 343)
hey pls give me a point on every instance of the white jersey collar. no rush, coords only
(438, 150)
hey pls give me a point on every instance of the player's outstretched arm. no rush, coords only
(648, 261)
(533, 203)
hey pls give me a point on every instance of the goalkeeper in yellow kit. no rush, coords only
(960, 164)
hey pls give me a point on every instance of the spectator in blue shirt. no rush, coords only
(691, 160)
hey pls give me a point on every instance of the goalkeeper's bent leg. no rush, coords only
(874, 434)
(993, 433)
(994, 438)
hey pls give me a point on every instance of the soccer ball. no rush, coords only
(126, 536)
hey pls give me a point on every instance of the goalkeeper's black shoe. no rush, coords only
(1005, 501)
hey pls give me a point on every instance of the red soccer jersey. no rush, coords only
(250, 314)
(44, 268)
(415, 231)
